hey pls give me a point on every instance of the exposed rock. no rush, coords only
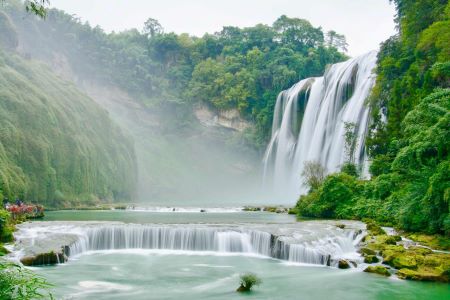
(342, 226)
(50, 258)
(223, 118)
(343, 264)
(378, 270)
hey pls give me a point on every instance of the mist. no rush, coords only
(180, 159)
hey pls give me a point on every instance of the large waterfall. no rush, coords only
(309, 124)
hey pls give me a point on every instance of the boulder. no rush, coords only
(343, 264)
(423, 275)
(371, 259)
(381, 270)
(41, 259)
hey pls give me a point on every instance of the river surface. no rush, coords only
(176, 274)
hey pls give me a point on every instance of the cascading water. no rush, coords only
(310, 242)
(309, 124)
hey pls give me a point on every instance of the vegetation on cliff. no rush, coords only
(239, 68)
(410, 184)
(56, 145)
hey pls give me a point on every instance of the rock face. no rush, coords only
(224, 118)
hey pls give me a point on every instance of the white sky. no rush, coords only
(365, 23)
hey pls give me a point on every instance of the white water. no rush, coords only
(308, 124)
(319, 243)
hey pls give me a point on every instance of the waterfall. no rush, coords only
(325, 250)
(308, 124)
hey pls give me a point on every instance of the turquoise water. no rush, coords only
(167, 218)
(137, 274)
(147, 275)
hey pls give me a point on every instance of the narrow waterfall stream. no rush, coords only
(309, 124)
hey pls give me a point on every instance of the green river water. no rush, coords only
(163, 274)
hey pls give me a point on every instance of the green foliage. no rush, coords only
(412, 191)
(6, 226)
(19, 283)
(334, 199)
(236, 68)
(56, 144)
(247, 281)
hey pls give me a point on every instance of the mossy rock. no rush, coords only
(341, 226)
(423, 274)
(367, 251)
(391, 252)
(437, 260)
(387, 239)
(374, 228)
(437, 242)
(381, 270)
(371, 259)
(404, 262)
(393, 239)
(420, 250)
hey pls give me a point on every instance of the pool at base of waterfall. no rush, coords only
(148, 255)
(147, 274)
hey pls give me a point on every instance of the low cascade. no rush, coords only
(213, 239)
(309, 125)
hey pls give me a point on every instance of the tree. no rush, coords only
(350, 140)
(336, 40)
(313, 174)
(152, 28)
(298, 32)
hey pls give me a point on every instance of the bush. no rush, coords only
(6, 228)
(248, 280)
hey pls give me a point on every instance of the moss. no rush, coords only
(374, 229)
(401, 261)
(367, 251)
(3, 250)
(371, 259)
(436, 241)
(423, 274)
(381, 270)
(293, 211)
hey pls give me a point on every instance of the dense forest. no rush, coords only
(240, 68)
(410, 132)
(56, 145)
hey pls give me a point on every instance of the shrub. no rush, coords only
(19, 283)
(248, 280)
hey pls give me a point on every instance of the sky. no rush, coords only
(365, 23)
